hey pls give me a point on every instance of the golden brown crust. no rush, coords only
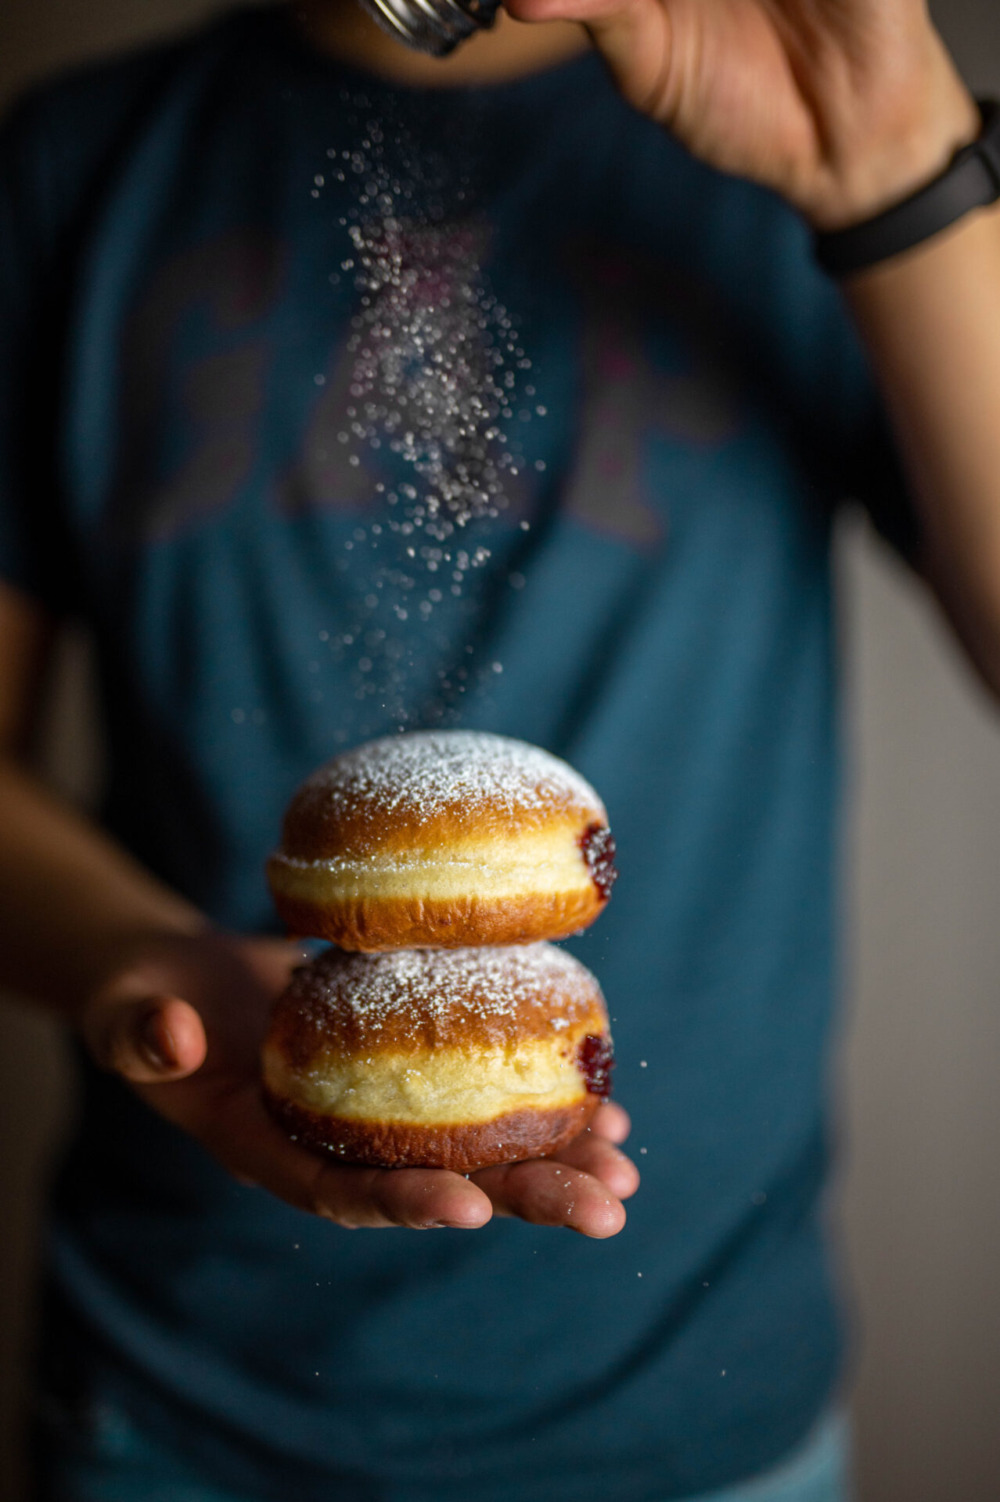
(320, 827)
(472, 1000)
(427, 790)
(374, 924)
(449, 839)
(510, 1138)
(444, 1057)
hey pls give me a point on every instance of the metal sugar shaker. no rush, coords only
(434, 26)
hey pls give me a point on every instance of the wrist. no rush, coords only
(890, 151)
(970, 182)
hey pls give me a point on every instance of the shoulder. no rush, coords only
(62, 136)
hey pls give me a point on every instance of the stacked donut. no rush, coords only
(444, 1029)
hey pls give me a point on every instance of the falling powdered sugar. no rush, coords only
(436, 357)
(432, 395)
(429, 377)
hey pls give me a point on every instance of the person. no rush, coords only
(225, 267)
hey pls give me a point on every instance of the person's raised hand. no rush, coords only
(182, 1020)
(841, 106)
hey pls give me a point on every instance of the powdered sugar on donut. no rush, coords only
(408, 991)
(422, 774)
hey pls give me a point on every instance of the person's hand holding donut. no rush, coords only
(182, 1021)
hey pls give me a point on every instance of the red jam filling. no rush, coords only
(596, 1060)
(598, 846)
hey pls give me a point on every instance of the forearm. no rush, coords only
(931, 320)
(72, 903)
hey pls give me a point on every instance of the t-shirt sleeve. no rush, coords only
(35, 555)
(858, 463)
(861, 465)
(881, 487)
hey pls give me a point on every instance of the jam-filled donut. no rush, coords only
(442, 838)
(440, 1058)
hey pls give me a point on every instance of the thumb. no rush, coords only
(635, 38)
(146, 1041)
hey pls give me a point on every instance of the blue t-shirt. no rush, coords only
(192, 458)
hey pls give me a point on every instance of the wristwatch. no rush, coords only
(970, 181)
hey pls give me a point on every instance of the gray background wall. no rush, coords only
(918, 1204)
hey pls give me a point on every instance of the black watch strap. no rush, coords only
(970, 181)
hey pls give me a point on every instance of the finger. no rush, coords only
(420, 1198)
(150, 1041)
(612, 1122)
(549, 1193)
(256, 1149)
(583, 11)
(603, 1161)
(634, 36)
